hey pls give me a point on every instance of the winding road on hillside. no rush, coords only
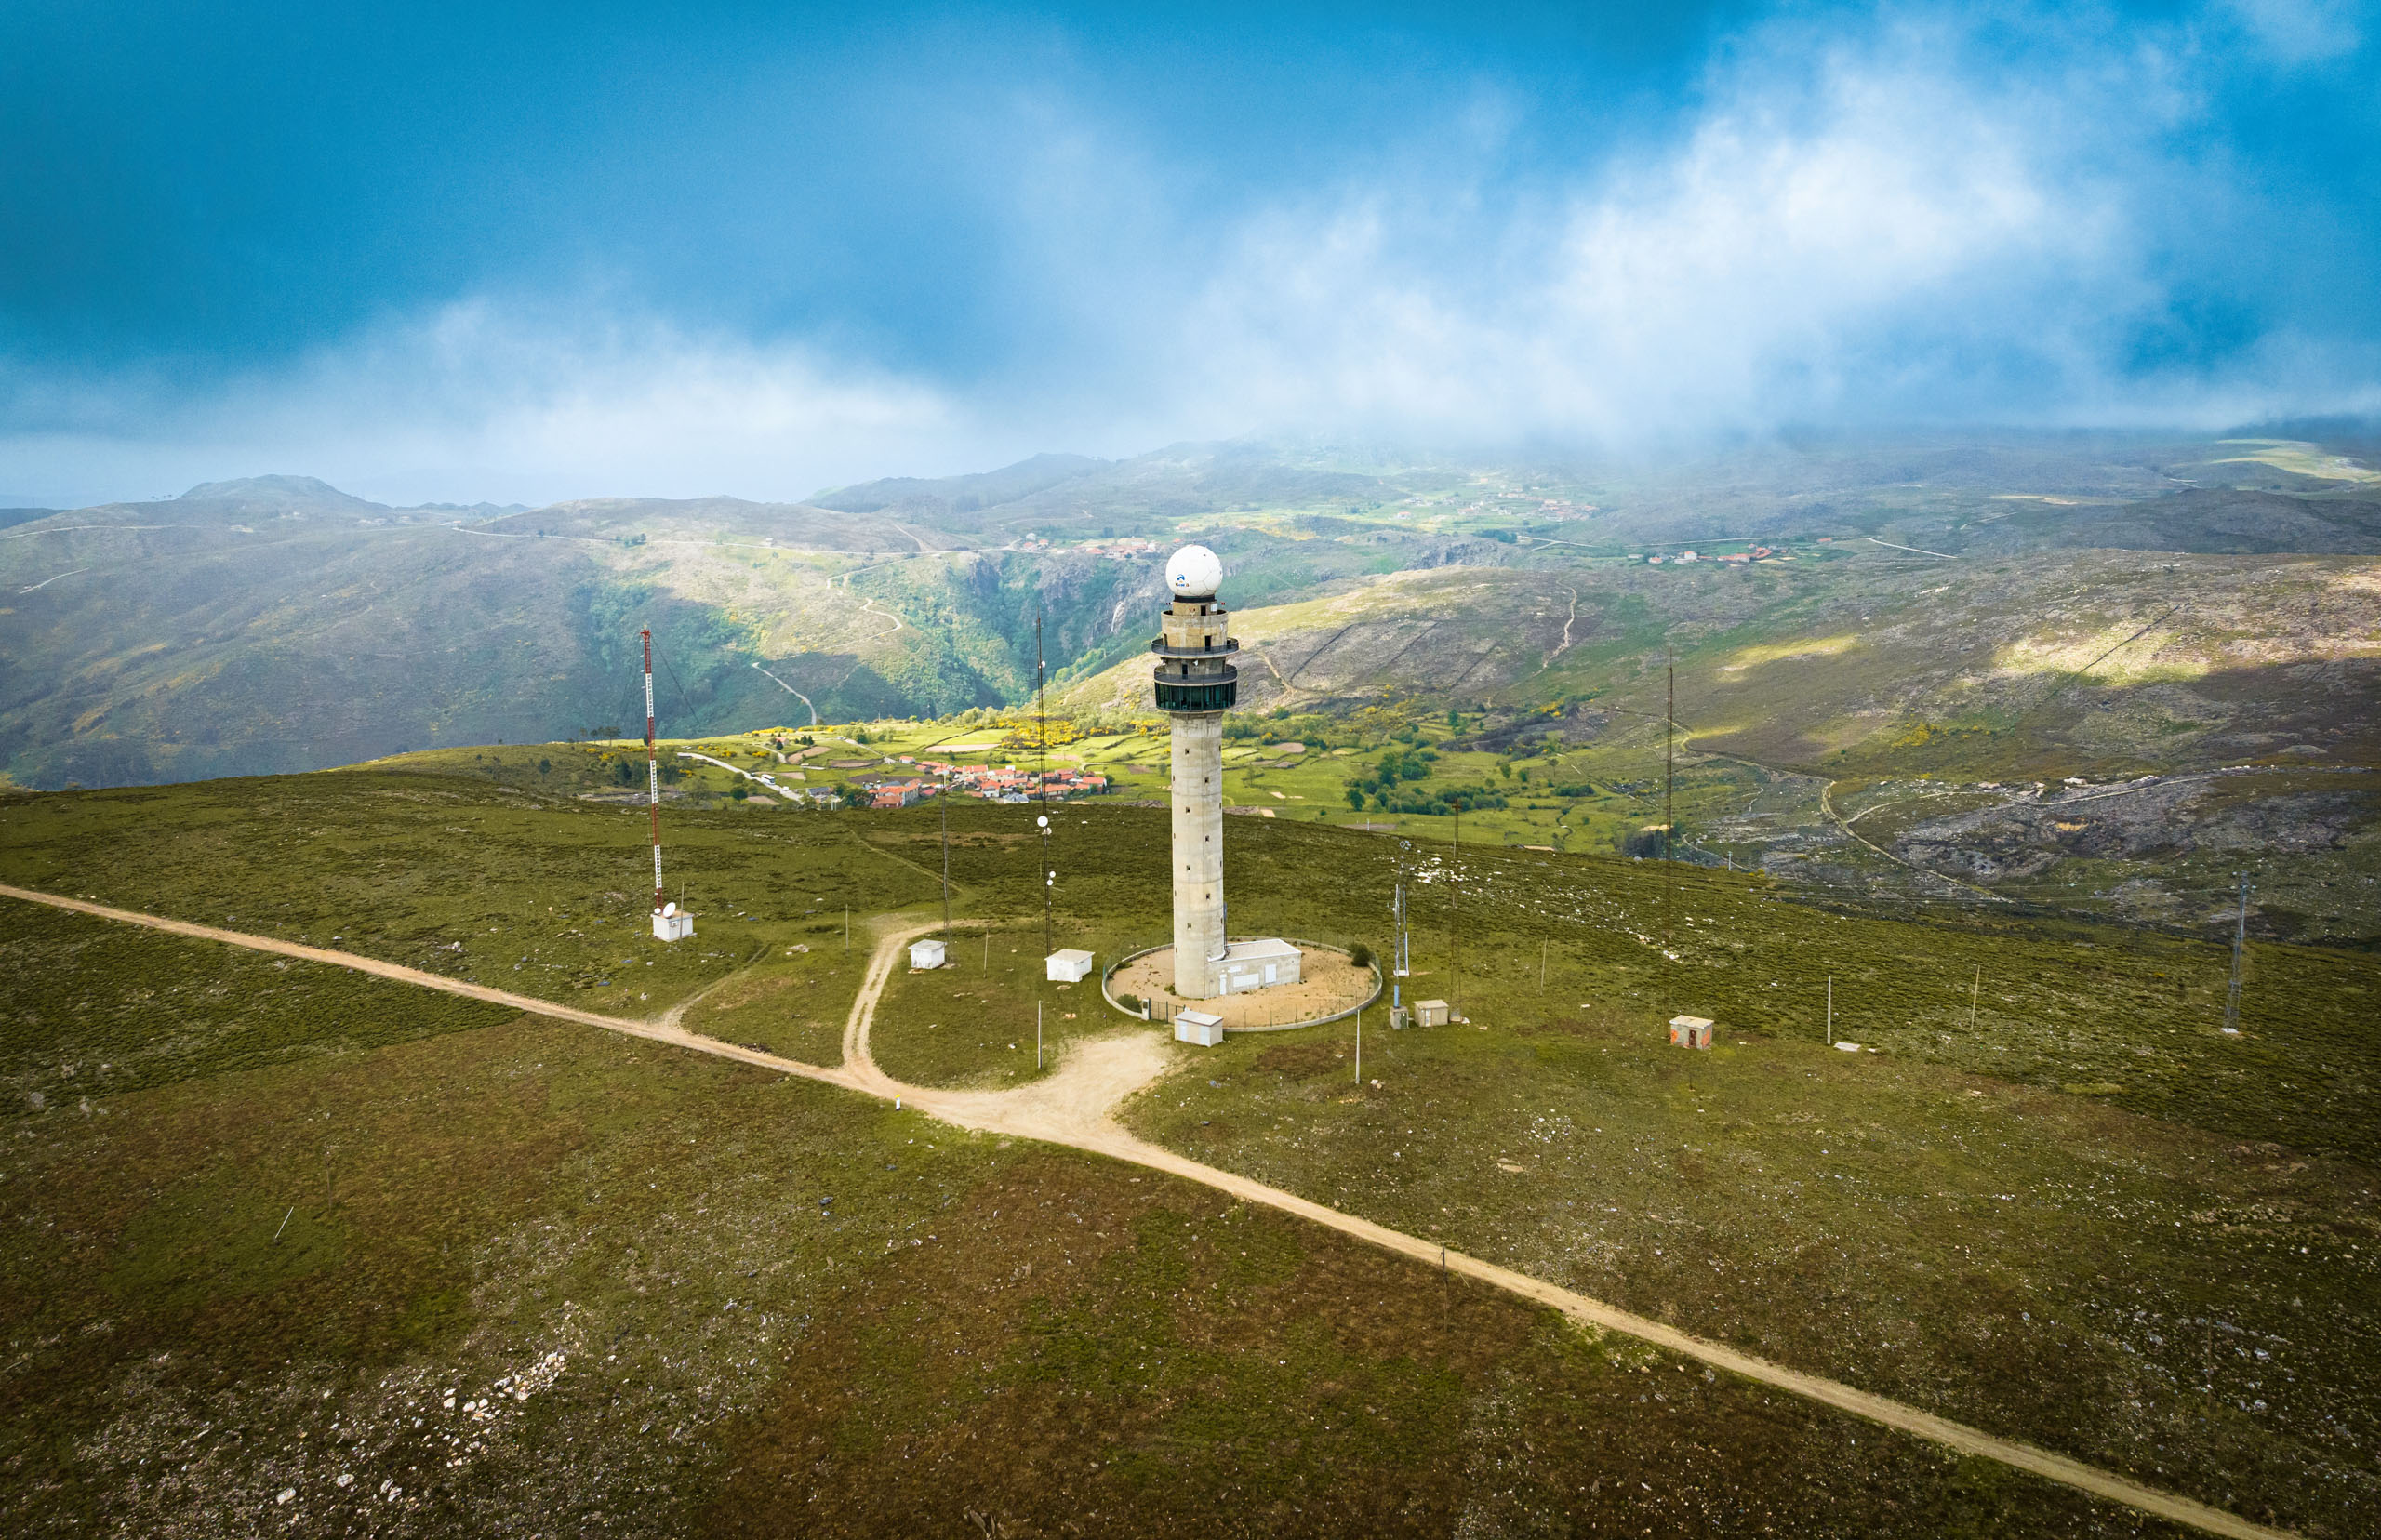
(1076, 1107)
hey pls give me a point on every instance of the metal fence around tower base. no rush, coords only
(1155, 1010)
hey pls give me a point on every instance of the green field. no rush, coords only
(517, 1275)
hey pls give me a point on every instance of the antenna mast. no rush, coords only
(1670, 792)
(2239, 942)
(1670, 820)
(670, 921)
(652, 768)
(1041, 719)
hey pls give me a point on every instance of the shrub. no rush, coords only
(1361, 955)
(1643, 843)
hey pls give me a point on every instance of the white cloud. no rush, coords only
(1837, 234)
(482, 400)
(2300, 32)
(1917, 221)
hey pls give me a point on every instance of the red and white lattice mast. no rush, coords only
(669, 924)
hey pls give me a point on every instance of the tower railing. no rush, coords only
(1205, 692)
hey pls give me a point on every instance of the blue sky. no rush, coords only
(536, 251)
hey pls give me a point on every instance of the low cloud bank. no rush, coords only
(2035, 216)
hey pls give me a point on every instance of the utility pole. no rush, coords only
(1401, 959)
(1669, 816)
(652, 767)
(1454, 910)
(2239, 943)
(1049, 881)
(1830, 1010)
(1037, 1036)
(1359, 1045)
(942, 801)
(1041, 719)
(1973, 989)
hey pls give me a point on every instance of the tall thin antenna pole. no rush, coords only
(2239, 942)
(1830, 1010)
(1669, 815)
(1041, 794)
(1455, 904)
(942, 801)
(652, 768)
(1041, 717)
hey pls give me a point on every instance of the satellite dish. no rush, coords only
(1043, 822)
(669, 908)
(1194, 572)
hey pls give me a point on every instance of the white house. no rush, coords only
(926, 954)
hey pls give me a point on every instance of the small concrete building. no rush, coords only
(1198, 1027)
(1688, 1031)
(1430, 1013)
(926, 954)
(1254, 964)
(671, 923)
(1070, 966)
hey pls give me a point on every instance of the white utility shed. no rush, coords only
(1254, 964)
(1070, 965)
(926, 954)
(671, 923)
(1198, 1027)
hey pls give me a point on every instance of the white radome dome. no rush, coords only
(1194, 572)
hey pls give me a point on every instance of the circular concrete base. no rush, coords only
(1332, 986)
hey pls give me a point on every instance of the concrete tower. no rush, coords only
(1196, 683)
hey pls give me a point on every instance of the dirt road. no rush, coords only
(1076, 1106)
(657, 1031)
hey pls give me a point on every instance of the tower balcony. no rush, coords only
(1209, 690)
(1227, 645)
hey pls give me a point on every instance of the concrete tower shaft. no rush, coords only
(1196, 683)
(1198, 799)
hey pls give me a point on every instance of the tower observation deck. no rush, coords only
(1196, 683)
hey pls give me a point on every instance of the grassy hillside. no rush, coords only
(299, 1249)
(1813, 693)
(2049, 1193)
(278, 624)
